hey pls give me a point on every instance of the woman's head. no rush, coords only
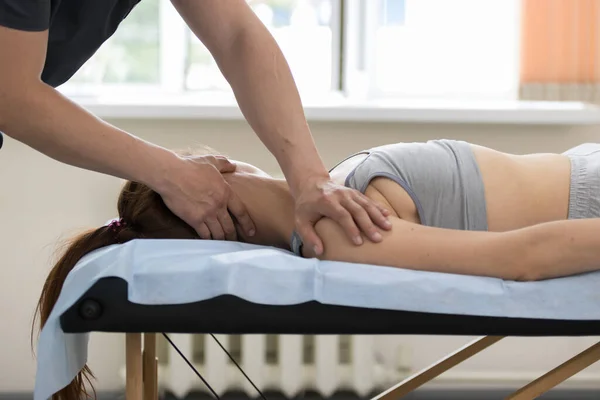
(142, 215)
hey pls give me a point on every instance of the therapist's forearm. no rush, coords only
(268, 97)
(42, 118)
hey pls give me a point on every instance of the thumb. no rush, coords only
(224, 165)
(311, 240)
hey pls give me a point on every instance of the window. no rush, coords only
(131, 56)
(444, 49)
(378, 49)
(303, 31)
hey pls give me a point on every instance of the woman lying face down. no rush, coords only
(455, 207)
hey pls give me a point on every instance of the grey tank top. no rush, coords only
(441, 177)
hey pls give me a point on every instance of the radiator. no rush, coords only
(289, 364)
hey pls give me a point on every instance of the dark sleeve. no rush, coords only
(26, 15)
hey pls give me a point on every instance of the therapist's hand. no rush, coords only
(354, 211)
(199, 195)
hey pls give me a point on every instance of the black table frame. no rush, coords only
(105, 308)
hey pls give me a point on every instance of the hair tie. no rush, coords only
(116, 225)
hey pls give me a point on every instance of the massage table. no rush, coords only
(146, 287)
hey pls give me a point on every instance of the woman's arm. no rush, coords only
(543, 251)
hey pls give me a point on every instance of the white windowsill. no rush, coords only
(337, 108)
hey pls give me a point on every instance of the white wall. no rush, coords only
(42, 201)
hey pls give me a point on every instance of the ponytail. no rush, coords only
(77, 248)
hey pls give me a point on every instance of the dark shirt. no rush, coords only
(77, 28)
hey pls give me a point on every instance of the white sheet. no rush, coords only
(182, 271)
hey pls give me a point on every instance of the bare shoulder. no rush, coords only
(381, 189)
(393, 196)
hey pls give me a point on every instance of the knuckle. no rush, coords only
(364, 215)
(221, 202)
(228, 225)
(342, 213)
(373, 208)
(210, 215)
(370, 228)
(357, 208)
(364, 202)
(348, 196)
(226, 193)
(367, 221)
(349, 222)
(196, 219)
(358, 200)
(327, 198)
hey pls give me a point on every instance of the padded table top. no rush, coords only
(195, 286)
(106, 308)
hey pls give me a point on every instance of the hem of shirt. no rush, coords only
(20, 26)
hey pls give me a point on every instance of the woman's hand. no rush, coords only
(198, 194)
(351, 209)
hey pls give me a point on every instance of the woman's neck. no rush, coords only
(270, 205)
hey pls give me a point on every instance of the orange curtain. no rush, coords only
(560, 42)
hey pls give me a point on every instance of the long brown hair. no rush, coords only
(146, 217)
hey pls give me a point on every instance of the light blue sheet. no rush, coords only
(182, 271)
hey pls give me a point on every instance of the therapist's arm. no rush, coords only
(40, 117)
(259, 75)
(538, 252)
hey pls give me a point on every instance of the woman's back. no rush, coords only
(456, 185)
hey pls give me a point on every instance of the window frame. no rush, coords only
(353, 95)
(359, 18)
(353, 69)
(174, 47)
